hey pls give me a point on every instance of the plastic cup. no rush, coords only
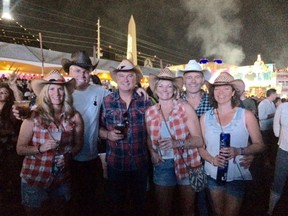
(23, 107)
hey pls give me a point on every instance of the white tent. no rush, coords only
(29, 60)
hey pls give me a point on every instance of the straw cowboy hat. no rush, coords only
(165, 74)
(54, 77)
(194, 66)
(225, 78)
(127, 66)
(79, 58)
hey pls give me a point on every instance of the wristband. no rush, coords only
(213, 160)
(38, 147)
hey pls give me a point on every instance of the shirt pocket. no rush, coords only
(113, 116)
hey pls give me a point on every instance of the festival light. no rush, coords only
(6, 10)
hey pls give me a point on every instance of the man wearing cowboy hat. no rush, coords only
(194, 79)
(87, 99)
(123, 127)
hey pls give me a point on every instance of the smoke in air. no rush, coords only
(215, 23)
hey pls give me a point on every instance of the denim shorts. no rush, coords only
(234, 188)
(164, 174)
(33, 196)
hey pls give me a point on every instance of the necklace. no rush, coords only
(166, 112)
(219, 120)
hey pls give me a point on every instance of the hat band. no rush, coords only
(56, 80)
(223, 83)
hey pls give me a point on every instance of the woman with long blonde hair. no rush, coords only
(48, 139)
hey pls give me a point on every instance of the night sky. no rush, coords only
(174, 30)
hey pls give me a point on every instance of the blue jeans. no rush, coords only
(126, 187)
(234, 188)
(33, 197)
(164, 174)
(281, 171)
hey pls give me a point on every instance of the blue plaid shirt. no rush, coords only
(129, 153)
(203, 106)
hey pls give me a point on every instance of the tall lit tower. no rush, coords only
(6, 10)
(131, 41)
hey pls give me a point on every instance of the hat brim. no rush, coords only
(206, 73)
(66, 63)
(153, 79)
(136, 69)
(38, 84)
(237, 84)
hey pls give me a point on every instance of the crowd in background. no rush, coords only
(149, 149)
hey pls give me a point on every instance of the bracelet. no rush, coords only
(213, 161)
(38, 147)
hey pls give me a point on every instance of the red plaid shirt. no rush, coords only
(177, 122)
(129, 153)
(37, 169)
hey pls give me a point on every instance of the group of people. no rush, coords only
(177, 131)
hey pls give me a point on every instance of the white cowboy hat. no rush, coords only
(194, 66)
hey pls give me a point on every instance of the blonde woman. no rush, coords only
(170, 126)
(48, 139)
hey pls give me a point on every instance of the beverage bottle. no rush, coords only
(222, 171)
(56, 167)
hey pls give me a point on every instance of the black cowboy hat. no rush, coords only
(79, 58)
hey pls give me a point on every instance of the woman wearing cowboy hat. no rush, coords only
(227, 118)
(47, 140)
(170, 126)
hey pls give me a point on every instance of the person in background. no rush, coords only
(174, 135)
(10, 162)
(266, 112)
(151, 95)
(280, 127)
(227, 117)
(123, 128)
(245, 102)
(195, 78)
(48, 140)
(277, 101)
(12, 82)
(96, 80)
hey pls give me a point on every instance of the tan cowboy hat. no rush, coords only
(54, 77)
(225, 78)
(127, 66)
(165, 74)
(194, 66)
(79, 58)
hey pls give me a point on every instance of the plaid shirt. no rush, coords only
(177, 122)
(203, 106)
(129, 153)
(37, 169)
